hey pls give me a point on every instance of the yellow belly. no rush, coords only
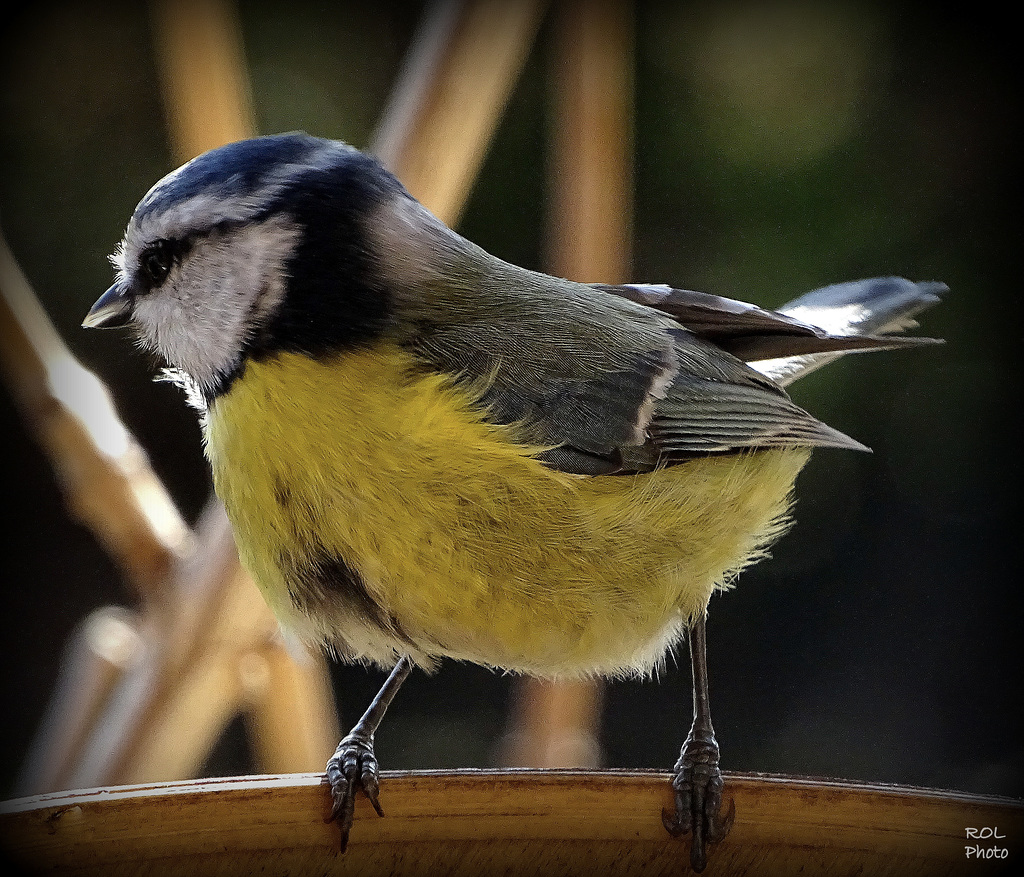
(474, 549)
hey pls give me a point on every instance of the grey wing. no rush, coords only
(842, 318)
(716, 404)
(580, 378)
(612, 385)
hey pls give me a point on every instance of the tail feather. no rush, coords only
(870, 309)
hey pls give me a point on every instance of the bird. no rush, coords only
(427, 452)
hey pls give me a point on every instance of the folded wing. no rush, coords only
(621, 379)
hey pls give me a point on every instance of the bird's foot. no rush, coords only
(352, 766)
(698, 792)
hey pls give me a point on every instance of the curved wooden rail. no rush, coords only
(502, 822)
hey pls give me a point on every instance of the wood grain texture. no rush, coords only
(504, 822)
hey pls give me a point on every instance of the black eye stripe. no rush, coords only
(155, 261)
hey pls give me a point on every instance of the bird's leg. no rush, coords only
(698, 781)
(353, 764)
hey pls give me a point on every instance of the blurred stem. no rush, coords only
(450, 95)
(105, 475)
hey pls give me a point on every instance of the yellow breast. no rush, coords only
(376, 510)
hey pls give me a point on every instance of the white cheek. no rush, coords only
(210, 306)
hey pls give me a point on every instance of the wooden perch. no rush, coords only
(502, 822)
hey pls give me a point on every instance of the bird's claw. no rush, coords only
(353, 766)
(698, 788)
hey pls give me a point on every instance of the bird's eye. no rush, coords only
(156, 261)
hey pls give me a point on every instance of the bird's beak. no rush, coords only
(113, 308)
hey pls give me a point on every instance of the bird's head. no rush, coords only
(253, 248)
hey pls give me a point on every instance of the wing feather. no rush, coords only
(751, 333)
(625, 378)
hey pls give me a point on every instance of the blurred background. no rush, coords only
(777, 147)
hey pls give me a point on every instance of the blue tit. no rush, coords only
(427, 452)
